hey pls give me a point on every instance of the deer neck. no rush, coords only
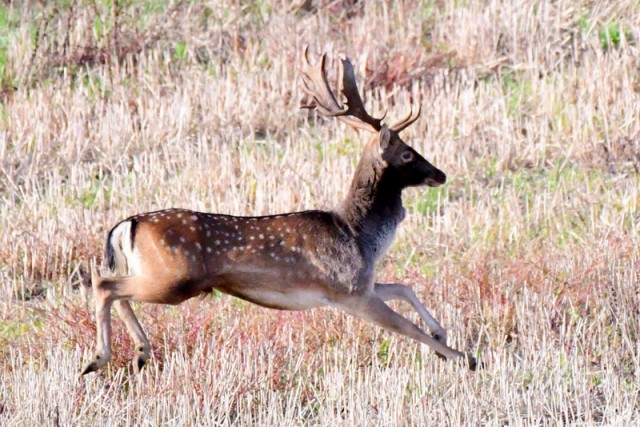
(373, 208)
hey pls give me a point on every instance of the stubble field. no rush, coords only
(528, 255)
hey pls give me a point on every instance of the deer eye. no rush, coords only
(406, 157)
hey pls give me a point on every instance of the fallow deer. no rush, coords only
(293, 261)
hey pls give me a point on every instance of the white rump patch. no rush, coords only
(126, 256)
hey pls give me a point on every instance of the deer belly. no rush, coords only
(286, 299)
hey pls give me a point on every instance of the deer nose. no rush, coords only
(435, 178)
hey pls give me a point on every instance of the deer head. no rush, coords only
(403, 163)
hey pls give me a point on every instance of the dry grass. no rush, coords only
(529, 255)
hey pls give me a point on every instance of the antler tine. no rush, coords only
(407, 120)
(315, 84)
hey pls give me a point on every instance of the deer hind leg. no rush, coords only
(373, 309)
(142, 348)
(404, 293)
(103, 325)
(107, 291)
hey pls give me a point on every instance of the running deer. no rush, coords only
(293, 261)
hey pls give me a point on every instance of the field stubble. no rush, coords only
(529, 254)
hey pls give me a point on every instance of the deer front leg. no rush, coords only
(372, 308)
(404, 293)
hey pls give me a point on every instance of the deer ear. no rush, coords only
(385, 137)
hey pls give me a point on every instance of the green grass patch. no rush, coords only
(426, 202)
(611, 35)
(517, 88)
(180, 52)
(12, 329)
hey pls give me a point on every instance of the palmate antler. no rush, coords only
(315, 84)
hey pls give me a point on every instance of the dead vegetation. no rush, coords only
(529, 254)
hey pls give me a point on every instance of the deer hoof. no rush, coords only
(139, 362)
(96, 364)
(473, 363)
(91, 367)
